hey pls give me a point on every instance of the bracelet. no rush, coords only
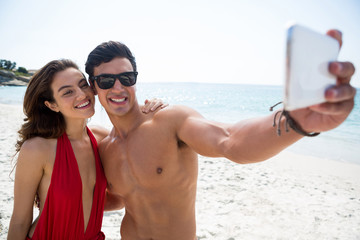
(291, 123)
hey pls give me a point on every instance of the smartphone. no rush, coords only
(308, 54)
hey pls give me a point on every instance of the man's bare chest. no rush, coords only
(141, 163)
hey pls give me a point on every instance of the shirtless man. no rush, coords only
(150, 161)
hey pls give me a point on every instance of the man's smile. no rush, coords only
(118, 99)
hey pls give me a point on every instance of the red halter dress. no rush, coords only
(62, 216)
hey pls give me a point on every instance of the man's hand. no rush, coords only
(339, 99)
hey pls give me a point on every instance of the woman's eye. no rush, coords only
(68, 92)
(85, 85)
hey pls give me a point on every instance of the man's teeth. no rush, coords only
(84, 104)
(118, 100)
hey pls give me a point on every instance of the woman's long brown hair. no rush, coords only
(39, 119)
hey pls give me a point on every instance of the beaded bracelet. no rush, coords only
(290, 122)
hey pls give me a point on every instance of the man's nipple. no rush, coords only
(159, 170)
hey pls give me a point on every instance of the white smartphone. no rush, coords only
(308, 55)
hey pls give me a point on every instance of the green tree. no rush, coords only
(6, 64)
(22, 70)
(13, 65)
(2, 63)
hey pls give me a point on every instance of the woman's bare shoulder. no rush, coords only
(99, 132)
(38, 143)
(37, 149)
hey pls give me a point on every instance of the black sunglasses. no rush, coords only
(106, 81)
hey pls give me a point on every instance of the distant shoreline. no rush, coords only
(8, 78)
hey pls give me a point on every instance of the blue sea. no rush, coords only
(233, 102)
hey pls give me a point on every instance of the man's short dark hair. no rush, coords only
(105, 52)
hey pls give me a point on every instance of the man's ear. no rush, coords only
(53, 106)
(93, 87)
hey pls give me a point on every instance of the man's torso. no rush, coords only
(156, 174)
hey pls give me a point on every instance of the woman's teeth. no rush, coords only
(84, 104)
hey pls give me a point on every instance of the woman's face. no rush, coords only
(74, 98)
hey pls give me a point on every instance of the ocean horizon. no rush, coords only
(230, 103)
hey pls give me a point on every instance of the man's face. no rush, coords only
(119, 99)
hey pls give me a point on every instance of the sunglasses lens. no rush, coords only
(128, 79)
(106, 82)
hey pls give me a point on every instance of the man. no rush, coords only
(150, 161)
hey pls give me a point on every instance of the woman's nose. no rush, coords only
(80, 93)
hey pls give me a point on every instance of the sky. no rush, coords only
(227, 41)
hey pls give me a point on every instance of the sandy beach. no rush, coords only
(287, 197)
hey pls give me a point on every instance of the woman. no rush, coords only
(58, 162)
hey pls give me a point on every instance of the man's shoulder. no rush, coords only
(175, 111)
(173, 117)
(107, 141)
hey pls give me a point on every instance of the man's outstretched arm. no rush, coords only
(247, 141)
(256, 140)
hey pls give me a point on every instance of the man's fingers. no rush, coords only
(340, 93)
(335, 34)
(343, 71)
(338, 108)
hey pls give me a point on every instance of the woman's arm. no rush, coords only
(113, 202)
(29, 171)
(99, 132)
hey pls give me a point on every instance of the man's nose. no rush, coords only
(117, 84)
